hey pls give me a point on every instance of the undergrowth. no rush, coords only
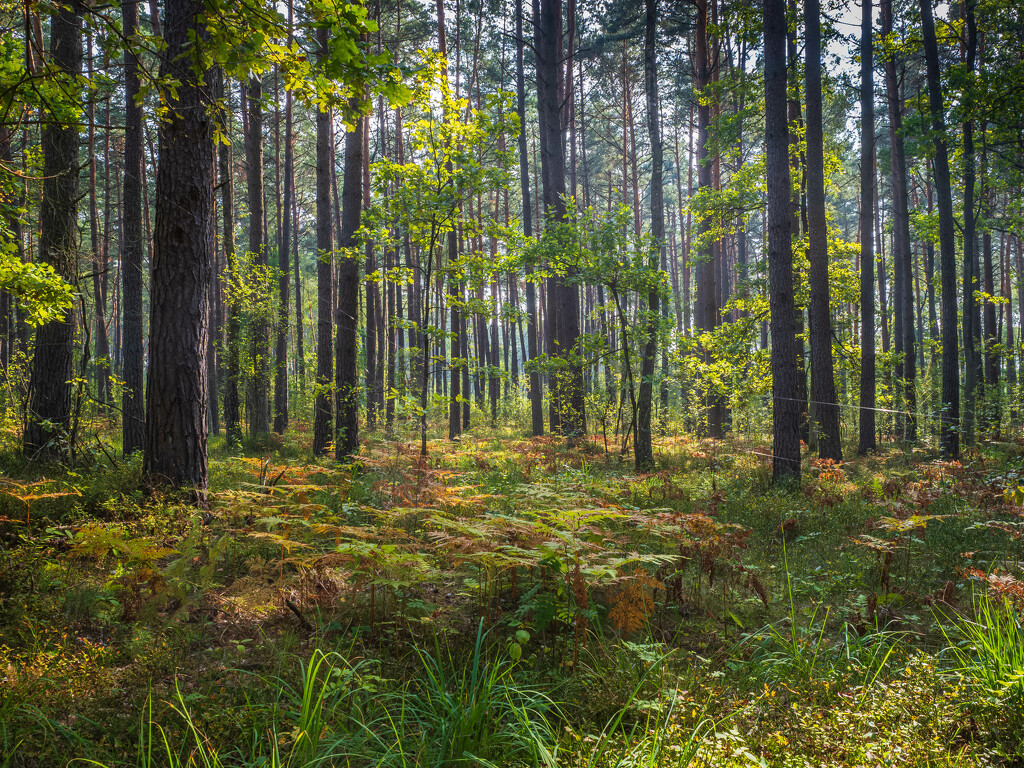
(513, 602)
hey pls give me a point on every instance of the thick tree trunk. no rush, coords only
(568, 383)
(950, 406)
(183, 246)
(823, 384)
(786, 405)
(48, 417)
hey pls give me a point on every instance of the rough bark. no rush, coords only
(644, 454)
(323, 407)
(823, 384)
(259, 389)
(950, 405)
(183, 247)
(866, 441)
(786, 405)
(48, 416)
(347, 314)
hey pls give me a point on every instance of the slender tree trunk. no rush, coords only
(866, 442)
(259, 402)
(347, 374)
(323, 408)
(901, 251)
(706, 316)
(950, 406)
(232, 403)
(284, 278)
(183, 247)
(644, 454)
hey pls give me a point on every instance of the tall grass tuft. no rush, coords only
(989, 651)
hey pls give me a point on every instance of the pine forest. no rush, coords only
(528, 383)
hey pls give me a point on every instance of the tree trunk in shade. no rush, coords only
(347, 314)
(785, 405)
(823, 383)
(866, 442)
(183, 246)
(644, 454)
(48, 417)
(950, 405)
(323, 408)
(133, 424)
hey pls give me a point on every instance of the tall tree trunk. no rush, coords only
(347, 374)
(284, 278)
(225, 160)
(992, 415)
(706, 316)
(866, 441)
(259, 401)
(950, 406)
(183, 246)
(99, 250)
(970, 281)
(797, 220)
(48, 418)
(901, 250)
(644, 454)
(823, 384)
(323, 408)
(568, 382)
(785, 405)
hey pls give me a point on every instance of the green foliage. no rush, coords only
(989, 650)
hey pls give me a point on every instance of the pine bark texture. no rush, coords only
(183, 264)
(785, 404)
(48, 416)
(823, 383)
(950, 406)
(866, 441)
(347, 315)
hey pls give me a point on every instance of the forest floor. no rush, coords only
(512, 601)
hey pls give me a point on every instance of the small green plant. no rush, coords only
(466, 714)
(989, 651)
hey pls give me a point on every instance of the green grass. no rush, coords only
(510, 602)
